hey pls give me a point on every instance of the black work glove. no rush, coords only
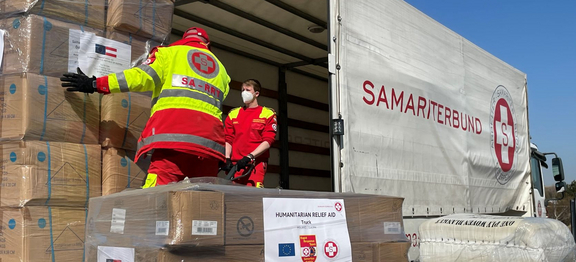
(242, 163)
(79, 82)
(228, 165)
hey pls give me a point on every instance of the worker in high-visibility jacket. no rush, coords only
(185, 129)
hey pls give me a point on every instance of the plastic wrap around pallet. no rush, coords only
(469, 237)
(36, 107)
(39, 45)
(147, 18)
(41, 234)
(49, 173)
(212, 222)
(81, 12)
(140, 46)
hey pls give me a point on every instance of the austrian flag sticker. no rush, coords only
(105, 50)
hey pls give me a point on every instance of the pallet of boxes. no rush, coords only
(187, 222)
(142, 24)
(49, 138)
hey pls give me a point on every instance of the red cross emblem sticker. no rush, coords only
(338, 206)
(504, 137)
(203, 63)
(331, 249)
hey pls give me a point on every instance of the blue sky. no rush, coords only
(538, 38)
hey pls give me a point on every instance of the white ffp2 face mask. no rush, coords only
(247, 96)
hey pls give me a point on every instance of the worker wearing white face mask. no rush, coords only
(250, 131)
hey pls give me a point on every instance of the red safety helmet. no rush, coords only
(197, 33)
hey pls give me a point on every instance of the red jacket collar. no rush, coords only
(190, 42)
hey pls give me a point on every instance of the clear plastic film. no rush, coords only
(42, 233)
(147, 18)
(141, 46)
(123, 117)
(36, 107)
(40, 45)
(49, 173)
(471, 237)
(90, 13)
(119, 172)
(218, 222)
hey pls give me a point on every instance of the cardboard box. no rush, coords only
(140, 46)
(156, 217)
(39, 45)
(40, 234)
(36, 107)
(120, 172)
(146, 18)
(123, 117)
(236, 213)
(49, 173)
(82, 12)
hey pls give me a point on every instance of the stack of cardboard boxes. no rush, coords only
(49, 137)
(160, 224)
(143, 24)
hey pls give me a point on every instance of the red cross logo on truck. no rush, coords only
(330, 249)
(504, 140)
(504, 134)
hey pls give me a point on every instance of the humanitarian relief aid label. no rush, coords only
(96, 55)
(305, 230)
(162, 228)
(115, 254)
(118, 220)
(392, 228)
(204, 228)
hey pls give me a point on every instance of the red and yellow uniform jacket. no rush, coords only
(247, 128)
(188, 85)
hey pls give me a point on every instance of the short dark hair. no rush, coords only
(254, 83)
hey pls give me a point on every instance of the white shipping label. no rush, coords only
(162, 228)
(298, 229)
(206, 228)
(114, 254)
(392, 228)
(99, 56)
(118, 220)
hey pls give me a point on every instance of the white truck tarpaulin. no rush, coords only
(428, 115)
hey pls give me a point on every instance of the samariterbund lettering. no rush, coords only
(422, 107)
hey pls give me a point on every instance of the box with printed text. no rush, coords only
(119, 171)
(49, 173)
(42, 233)
(36, 107)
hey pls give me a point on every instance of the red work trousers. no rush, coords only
(256, 177)
(169, 166)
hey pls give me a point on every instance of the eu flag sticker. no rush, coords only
(286, 250)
